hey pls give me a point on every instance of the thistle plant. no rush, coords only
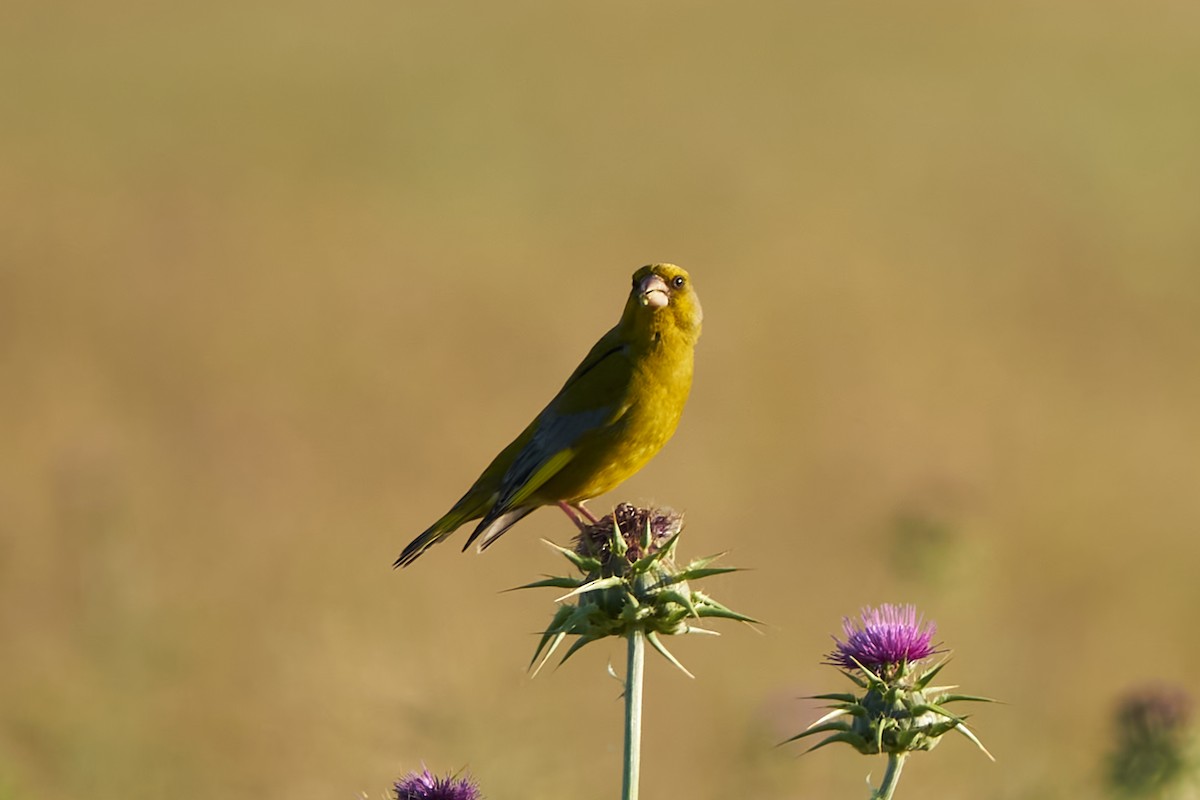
(895, 710)
(629, 585)
(424, 786)
(1155, 746)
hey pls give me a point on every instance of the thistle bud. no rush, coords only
(629, 580)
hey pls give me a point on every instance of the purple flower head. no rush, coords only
(423, 786)
(884, 638)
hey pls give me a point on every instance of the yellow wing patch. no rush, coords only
(543, 473)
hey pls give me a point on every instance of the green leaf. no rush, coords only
(938, 728)
(652, 637)
(650, 559)
(555, 628)
(958, 698)
(549, 652)
(701, 563)
(706, 631)
(815, 729)
(697, 573)
(965, 731)
(647, 535)
(858, 681)
(837, 712)
(927, 676)
(599, 583)
(682, 599)
(711, 608)
(553, 582)
(843, 697)
(583, 641)
(857, 710)
(925, 708)
(852, 739)
(671, 544)
(867, 672)
(582, 563)
(616, 541)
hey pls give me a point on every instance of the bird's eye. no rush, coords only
(678, 282)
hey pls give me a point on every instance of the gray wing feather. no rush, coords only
(488, 532)
(556, 432)
(555, 435)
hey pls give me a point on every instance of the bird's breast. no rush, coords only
(657, 392)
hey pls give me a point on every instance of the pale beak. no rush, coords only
(653, 292)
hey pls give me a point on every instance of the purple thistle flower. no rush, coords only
(423, 786)
(886, 637)
(898, 711)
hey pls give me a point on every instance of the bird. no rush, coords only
(613, 414)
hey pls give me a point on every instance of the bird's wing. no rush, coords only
(593, 398)
(552, 447)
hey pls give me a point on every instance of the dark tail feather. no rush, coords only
(419, 545)
(490, 528)
(493, 526)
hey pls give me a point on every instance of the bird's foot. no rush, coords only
(578, 514)
(585, 513)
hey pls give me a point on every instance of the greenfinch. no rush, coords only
(614, 413)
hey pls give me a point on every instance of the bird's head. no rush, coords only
(663, 298)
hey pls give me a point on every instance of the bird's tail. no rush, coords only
(489, 530)
(493, 525)
(435, 533)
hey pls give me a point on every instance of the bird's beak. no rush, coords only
(653, 292)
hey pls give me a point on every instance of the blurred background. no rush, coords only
(278, 279)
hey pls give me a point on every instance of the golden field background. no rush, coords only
(277, 280)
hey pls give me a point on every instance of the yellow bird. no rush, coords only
(615, 412)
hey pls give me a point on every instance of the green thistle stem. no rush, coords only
(891, 777)
(634, 663)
